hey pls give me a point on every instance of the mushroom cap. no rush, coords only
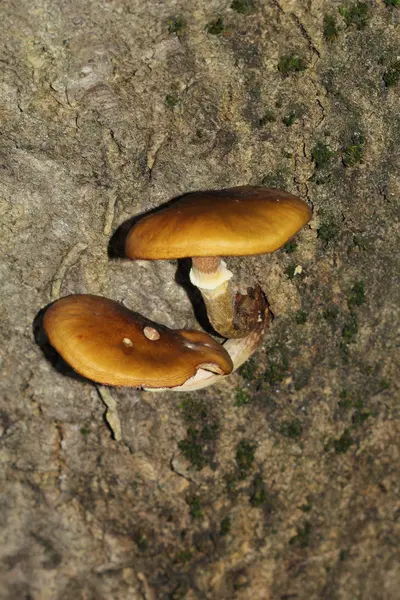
(231, 222)
(107, 343)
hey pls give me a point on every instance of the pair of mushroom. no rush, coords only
(106, 342)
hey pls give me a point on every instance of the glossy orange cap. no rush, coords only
(107, 343)
(231, 222)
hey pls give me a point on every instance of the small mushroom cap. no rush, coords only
(106, 342)
(232, 222)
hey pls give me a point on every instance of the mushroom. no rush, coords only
(109, 344)
(204, 226)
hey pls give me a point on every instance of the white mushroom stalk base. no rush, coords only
(239, 349)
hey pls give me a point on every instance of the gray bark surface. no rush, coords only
(282, 481)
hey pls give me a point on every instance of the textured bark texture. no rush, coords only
(282, 481)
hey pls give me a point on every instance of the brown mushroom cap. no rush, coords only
(232, 222)
(107, 343)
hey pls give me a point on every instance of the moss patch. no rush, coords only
(328, 231)
(291, 429)
(356, 15)
(243, 7)
(225, 526)
(357, 295)
(296, 112)
(300, 317)
(215, 27)
(330, 28)
(245, 451)
(248, 370)
(275, 373)
(331, 313)
(350, 329)
(176, 26)
(290, 247)
(258, 492)
(199, 444)
(303, 536)
(268, 117)
(171, 100)
(291, 63)
(276, 179)
(290, 271)
(354, 151)
(194, 505)
(241, 397)
(392, 75)
(321, 155)
(342, 444)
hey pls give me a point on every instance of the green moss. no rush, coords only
(350, 329)
(194, 505)
(171, 101)
(180, 592)
(258, 493)
(330, 28)
(301, 380)
(344, 554)
(330, 314)
(276, 179)
(296, 112)
(245, 451)
(359, 417)
(269, 117)
(193, 452)
(356, 15)
(241, 397)
(359, 242)
(328, 231)
(193, 410)
(303, 536)
(289, 119)
(342, 444)
(84, 431)
(290, 271)
(248, 370)
(392, 2)
(275, 373)
(300, 317)
(198, 447)
(345, 401)
(306, 507)
(392, 75)
(244, 7)
(225, 526)
(291, 429)
(195, 448)
(321, 155)
(354, 151)
(384, 385)
(215, 27)
(291, 63)
(290, 247)
(176, 25)
(184, 556)
(357, 295)
(141, 541)
(231, 483)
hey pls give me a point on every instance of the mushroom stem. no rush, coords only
(232, 317)
(239, 350)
